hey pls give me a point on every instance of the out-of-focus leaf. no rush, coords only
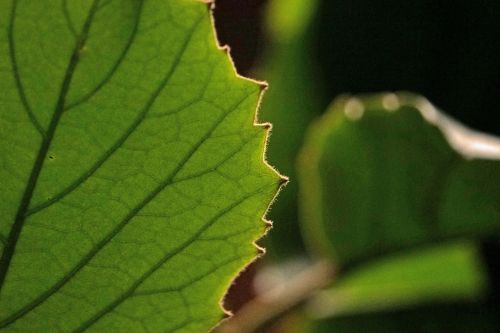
(442, 273)
(288, 21)
(378, 175)
(292, 100)
(132, 176)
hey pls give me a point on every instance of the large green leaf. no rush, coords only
(132, 176)
(378, 177)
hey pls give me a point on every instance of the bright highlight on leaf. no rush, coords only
(133, 181)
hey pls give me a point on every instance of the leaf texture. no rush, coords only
(133, 181)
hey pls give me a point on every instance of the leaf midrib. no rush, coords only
(20, 217)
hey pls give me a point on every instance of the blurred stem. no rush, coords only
(271, 304)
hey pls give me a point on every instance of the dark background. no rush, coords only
(448, 51)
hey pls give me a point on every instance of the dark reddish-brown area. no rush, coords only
(242, 289)
(238, 24)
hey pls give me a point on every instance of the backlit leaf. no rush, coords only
(133, 181)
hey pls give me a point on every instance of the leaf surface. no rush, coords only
(132, 176)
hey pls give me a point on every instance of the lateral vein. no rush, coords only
(20, 217)
(17, 77)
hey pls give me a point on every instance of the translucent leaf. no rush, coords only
(133, 181)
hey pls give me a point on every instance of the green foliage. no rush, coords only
(388, 199)
(133, 181)
(132, 176)
(384, 194)
(439, 273)
(377, 177)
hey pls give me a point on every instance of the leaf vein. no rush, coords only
(186, 284)
(17, 76)
(20, 217)
(115, 67)
(93, 252)
(129, 131)
(130, 291)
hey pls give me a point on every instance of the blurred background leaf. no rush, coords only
(439, 273)
(293, 99)
(377, 177)
(449, 51)
(310, 51)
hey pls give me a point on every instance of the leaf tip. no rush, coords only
(284, 180)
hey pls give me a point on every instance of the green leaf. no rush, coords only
(133, 183)
(391, 188)
(437, 274)
(379, 175)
